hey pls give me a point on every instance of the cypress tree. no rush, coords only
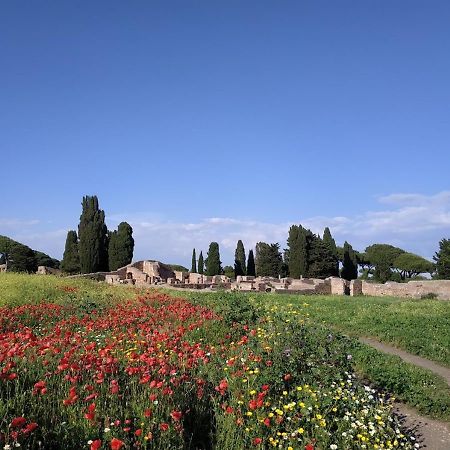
(331, 245)
(304, 243)
(194, 262)
(251, 270)
(268, 259)
(93, 237)
(213, 263)
(294, 251)
(350, 263)
(239, 259)
(71, 258)
(201, 264)
(322, 262)
(121, 246)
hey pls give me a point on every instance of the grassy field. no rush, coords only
(421, 327)
(18, 289)
(86, 365)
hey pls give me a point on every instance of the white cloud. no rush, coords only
(414, 222)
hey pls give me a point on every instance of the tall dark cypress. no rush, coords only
(239, 259)
(71, 258)
(93, 237)
(294, 251)
(121, 246)
(331, 245)
(251, 269)
(201, 264)
(213, 263)
(304, 241)
(350, 263)
(194, 262)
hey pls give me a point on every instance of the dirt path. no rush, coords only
(442, 371)
(431, 434)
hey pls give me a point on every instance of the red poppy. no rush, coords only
(176, 415)
(257, 441)
(18, 422)
(309, 447)
(96, 444)
(164, 426)
(116, 444)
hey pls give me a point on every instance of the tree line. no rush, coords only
(19, 257)
(310, 255)
(95, 248)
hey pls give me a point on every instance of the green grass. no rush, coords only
(421, 327)
(18, 289)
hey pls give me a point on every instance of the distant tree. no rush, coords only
(71, 258)
(239, 259)
(22, 259)
(410, 265)
(251, 269)
(228, 271)
(6, 245)
(2, 258)
(201, 264)
(364, 262)
(442, 259)
(194, 262)
(268, 259)
(382, 256)
(299, 242)
(42, 259)
(121, 246)
(213, 263)
(93, 237)
(322, 261)
(350, 263)
(332, 251)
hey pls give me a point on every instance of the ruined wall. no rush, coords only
(412, 289)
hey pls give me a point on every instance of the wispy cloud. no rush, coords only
(415, 222)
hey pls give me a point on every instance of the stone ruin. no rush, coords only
(148, 273)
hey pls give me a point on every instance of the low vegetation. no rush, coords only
(84, 368)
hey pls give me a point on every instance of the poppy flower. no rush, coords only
(95, 445)
(116, 444)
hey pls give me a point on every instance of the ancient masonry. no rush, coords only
(144, 273)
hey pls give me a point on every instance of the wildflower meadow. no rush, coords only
(161, 372)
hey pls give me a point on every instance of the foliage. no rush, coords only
(409, 265)
(332, 251)
(177, 267)
(71, 258)
(298, 249)
(92, 234)
(193, 262)
(121, 246)
(442, 259)
(163, 372)
(228, 271)
(251, 268)
(42, 259)
(349, 264)
(201, 264)
(268, 259)
(239, 259)
(25, 261)
(382, 256)
(212, 262)
(322, 262)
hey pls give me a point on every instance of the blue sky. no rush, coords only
(198, 121)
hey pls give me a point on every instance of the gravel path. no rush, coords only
(432, 434)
